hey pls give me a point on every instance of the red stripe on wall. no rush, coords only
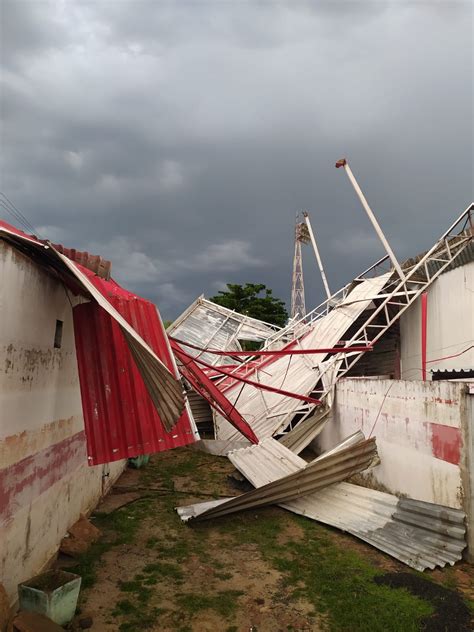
(446, 442)
(25, 480)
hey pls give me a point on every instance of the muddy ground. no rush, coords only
(265, 570)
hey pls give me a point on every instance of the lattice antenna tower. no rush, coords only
(302, 236)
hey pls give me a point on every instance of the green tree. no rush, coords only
(253, 299)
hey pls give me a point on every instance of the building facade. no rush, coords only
(45, 481)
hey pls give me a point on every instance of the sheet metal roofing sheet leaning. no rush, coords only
(422, 535)
(270, 413)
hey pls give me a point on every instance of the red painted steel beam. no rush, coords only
(279, 352)
(205, 387)
(239, 378)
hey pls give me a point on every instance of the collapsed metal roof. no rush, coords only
(206, 324)
(359, 314)
(269, 413)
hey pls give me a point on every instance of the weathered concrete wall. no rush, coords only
(450, 325)
(419, 428)
(45, 482)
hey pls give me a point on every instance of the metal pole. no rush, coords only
(424, 323)
(316, 252)
(343, 163)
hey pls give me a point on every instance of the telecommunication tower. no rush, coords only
(302, 236)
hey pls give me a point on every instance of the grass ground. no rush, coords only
(265, 570)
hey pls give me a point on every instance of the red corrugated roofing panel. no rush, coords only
(120, 418)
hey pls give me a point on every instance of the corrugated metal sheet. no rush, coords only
(354, 457)
(422, 535)
(303, 433)
(206, 324)
(269, 413)
(164, 387)
(201, 410)
(120, 418)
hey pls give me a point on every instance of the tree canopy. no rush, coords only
(255, 300)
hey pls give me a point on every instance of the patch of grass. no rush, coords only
(339, 582)
(133, 586)
(164, 569)
(150, 581)
(183, 462)
(223, 576)
(124, 606)
(223, 602)
(86, 565)
(119, 527)
(141, 621)
(449, 578)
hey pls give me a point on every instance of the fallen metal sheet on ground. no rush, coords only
(317, 474)
(422, 535)
(301, 436)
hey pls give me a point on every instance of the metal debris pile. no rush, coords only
(265, 407)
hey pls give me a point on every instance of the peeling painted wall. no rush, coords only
(45, 482)
(450, 325)
(419, 430)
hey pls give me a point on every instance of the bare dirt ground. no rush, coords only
(267, 570)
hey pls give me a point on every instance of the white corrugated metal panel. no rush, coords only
(422, 535)
(206, 324)
(301, 436)
(354, 456)
(269, 413)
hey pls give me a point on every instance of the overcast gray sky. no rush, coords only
(179, 139)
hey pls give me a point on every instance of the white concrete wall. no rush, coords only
(45, 482)
(450, 326)
(419, 428)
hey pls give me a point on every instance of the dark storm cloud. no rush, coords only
(180, 139)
